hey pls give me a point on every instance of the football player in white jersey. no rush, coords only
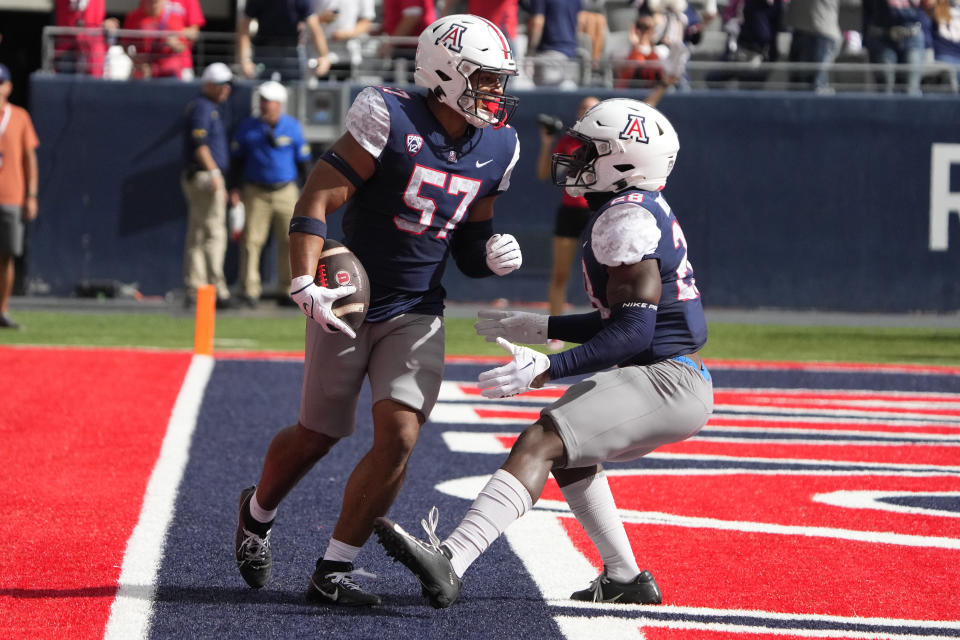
(418, 173)
(648, 323)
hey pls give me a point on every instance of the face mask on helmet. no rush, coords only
(577, 171)
(485, 96)
(465, 61)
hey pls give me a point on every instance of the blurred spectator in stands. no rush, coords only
(593, 26)
(157, 56)
(502, 13)
(18, 188)
(946, 30)
(816, 39)
(268, 155)
(552, 41)
(752, 27)
(893, 33)
(206, 161)
(641, 66)
(277, 50)
(343, 21)
(83, 52)
(658, 50)
(191, 13)
(405, 18)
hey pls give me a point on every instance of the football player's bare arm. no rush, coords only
(482, 210)
(639, 282)
(326, 190)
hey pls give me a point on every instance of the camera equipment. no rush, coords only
(552, 124)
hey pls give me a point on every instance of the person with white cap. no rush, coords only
(269, 153)
(206, 159)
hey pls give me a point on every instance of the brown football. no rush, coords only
(338, 267)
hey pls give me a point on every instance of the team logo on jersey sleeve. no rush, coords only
(414, 144)
(635, 129)
(452, 38)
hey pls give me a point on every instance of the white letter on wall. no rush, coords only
(943, 202)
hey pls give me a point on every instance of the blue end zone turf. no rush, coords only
(201, 595)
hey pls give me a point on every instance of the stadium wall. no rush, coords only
(849, 202)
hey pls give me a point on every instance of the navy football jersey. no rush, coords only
(639, 225)
(401, 221)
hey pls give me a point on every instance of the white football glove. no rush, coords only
(515, 326)
(515, 376)
(316, 301)
(503, 254)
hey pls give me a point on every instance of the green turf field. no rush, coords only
(743, 341)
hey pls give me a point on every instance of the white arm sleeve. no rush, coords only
(368, 121)
(505, 180)
(624, 234)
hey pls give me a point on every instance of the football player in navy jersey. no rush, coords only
(419, 173)
(649, 322)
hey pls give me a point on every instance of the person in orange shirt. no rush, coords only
(18, 187)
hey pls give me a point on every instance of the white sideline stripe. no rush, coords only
(587, 628)
(757, 409)
(472, 442)
(880, 435)
(615, 628)
(558, 569)
(934, 441)
(468, 487)
(835, 533)
(132, 607)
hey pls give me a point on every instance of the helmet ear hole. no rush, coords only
(444, 76)
(659, 128)
(623, 168)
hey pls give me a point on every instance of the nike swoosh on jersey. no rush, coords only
(483, 164)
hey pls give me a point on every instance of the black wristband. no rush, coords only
(306, 224)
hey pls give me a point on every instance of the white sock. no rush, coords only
(259, 513)
(501, 501)
(592, 503)
(340, 551)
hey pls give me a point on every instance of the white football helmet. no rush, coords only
(624, 144)
(450, 51)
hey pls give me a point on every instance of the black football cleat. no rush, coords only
(254, 559)
(6, 322)
(333, 583)
(641, 590)
(429, 562)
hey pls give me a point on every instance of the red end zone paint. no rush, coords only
(790, 574)
(82, 429)
(797, 572)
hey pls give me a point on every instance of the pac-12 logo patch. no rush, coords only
(414, 144)
(635, 129)
(452, 38)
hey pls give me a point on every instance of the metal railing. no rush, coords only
(95, 52)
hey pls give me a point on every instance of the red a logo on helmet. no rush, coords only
(635, 129)
(453, 38)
